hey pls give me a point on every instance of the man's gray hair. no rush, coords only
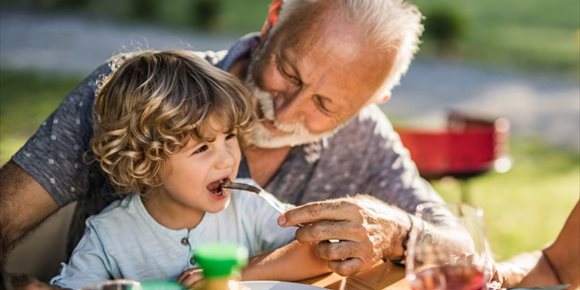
(389, 24)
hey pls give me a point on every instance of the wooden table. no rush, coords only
(382, 276)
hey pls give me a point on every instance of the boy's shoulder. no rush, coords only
(122, 209)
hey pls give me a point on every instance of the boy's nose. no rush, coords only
(226, 160)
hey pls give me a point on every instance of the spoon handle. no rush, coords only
(269, 198)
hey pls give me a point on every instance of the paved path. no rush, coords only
(535, 105)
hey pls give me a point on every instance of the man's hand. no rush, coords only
(368, 230)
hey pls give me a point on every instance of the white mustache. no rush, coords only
(296, 133)
(267, 106)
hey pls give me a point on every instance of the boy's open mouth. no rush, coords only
(216, 187)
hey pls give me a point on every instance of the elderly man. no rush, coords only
(317, 70)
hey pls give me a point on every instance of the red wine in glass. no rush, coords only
(457, 257)
(449, 277)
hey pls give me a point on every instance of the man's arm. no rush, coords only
(24, 203)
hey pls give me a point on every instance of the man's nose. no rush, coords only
(290, 107)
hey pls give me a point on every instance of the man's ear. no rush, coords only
(383, 99)
(272, 18)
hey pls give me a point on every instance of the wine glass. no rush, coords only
(457, 257)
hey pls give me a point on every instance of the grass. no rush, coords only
(26, 99)
(525, 207)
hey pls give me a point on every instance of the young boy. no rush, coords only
(166, 134)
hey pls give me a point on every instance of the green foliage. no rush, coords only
(70, 4)
(548, 49)
(145, 9)
(445, 26)
(222, 16)
(525, 34)
(206, 13)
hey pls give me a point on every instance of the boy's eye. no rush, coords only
(200, 150)
(230, 136)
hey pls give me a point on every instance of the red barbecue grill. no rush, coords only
(469, 146)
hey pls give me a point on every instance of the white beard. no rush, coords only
(297, 134)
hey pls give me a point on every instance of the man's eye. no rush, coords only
(200, 150)
(297, 82)
(294, 80)
(322, 104)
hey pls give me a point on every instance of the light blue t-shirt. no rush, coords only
(124, 241)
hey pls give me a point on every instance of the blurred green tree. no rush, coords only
(445, 27)
(206, 13)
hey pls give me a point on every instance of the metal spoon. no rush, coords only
(241, 186)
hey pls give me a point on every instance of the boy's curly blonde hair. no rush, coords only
(153, 104)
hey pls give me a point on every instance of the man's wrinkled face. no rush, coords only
(270, 133)
(309, 84)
